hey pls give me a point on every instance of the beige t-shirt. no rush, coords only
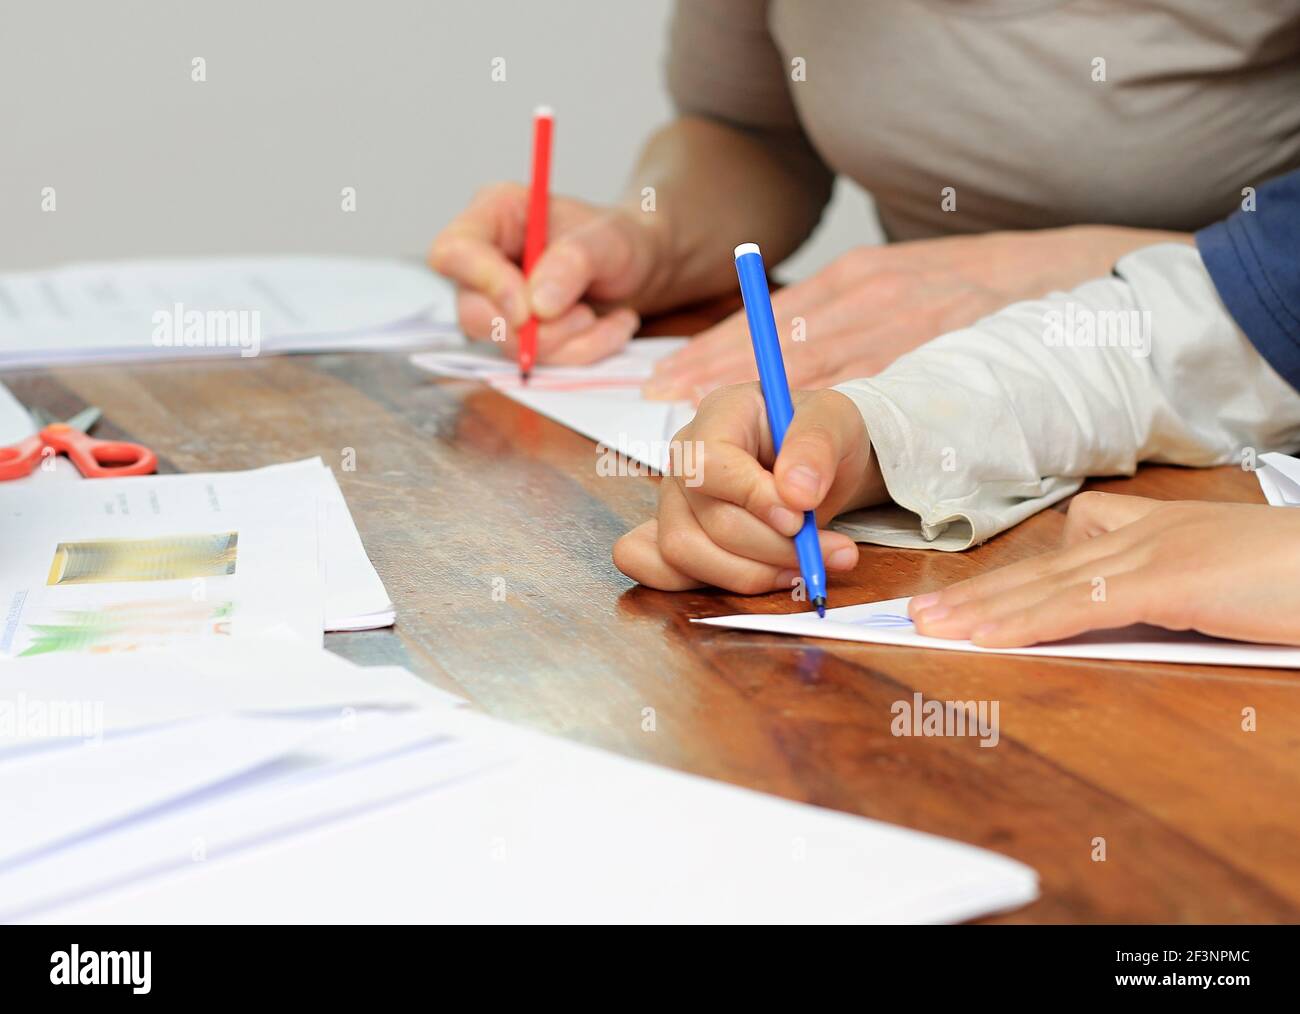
(1038, 113)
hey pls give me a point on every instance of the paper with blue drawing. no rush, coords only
(886, 622)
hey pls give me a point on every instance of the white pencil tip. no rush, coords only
(746, 248)
(545, 111)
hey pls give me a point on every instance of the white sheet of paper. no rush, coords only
(369, 760)
(48, 798)
(275, 590)
(602, 401)
(60, 699)
(15, 422)
(571, 834)
(1279, 478)
(886, 622)
(355, 597)
(106, 311)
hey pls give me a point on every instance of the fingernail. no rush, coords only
(657, 389)
(784, 520)
(804, 478)
(842, 558)
(582, 318)
(933, 615)
(516, 308)
(924, 601)
(633, 321)
(546, 299)
(983, 632)
(787, 578)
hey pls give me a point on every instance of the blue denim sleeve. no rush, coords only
(1253, 257)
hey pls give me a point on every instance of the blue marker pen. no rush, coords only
(780, 409)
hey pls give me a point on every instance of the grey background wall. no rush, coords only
(305, 98)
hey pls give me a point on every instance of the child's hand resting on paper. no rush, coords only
(730, 519)
(1228, 570)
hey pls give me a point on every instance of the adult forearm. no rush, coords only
(712, 186)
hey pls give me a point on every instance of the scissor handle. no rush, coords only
(22, 458)
(100, 459)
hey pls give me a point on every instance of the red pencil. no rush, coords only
(535, 231)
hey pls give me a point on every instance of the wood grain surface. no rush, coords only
(458, 492)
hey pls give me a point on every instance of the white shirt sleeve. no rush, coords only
(979, 429)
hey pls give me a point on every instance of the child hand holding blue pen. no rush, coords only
(731, 522)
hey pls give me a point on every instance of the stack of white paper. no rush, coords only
(345, 795)
(602, 401)
(354, 596)
(59, 700)
(115, 769)
(213, 306)
(110, 565)
(1279, 478)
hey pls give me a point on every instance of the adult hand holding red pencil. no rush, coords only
(566, 268)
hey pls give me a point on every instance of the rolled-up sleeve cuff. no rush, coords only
(925, 514)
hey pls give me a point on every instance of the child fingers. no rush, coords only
(963, 619)
(687, 549)
(1070, 610)
(1024, 573)
(1095, 513)
(737, 531)
(637, 555)
(726, 473)
(824, 423)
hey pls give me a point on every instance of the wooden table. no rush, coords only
(492, 531)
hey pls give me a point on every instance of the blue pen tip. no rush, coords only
(821, 607)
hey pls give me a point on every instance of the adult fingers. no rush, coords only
(478, 249)
(602, 337)
(723, 353)
(595, 251)
(838, 313)
(482, 320)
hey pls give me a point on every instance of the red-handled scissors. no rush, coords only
(95, 459)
